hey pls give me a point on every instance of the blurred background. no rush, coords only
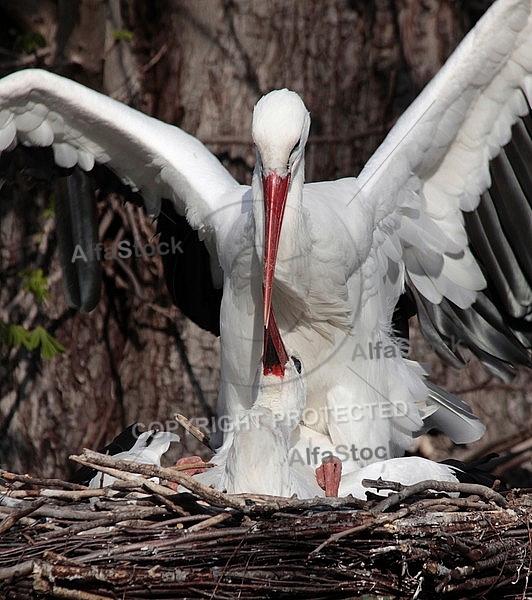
(201, 65)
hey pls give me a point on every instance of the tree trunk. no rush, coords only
(201, 65)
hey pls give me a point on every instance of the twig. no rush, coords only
(73, 495)
(451, 504)
(211, 522)
(108, 518)
(9, 521)
(263, 504)
(435, 486)
(359, 528)
(155, 58)
(19, 570)
(248, 504)
(193, 430)
(160, 493)
(97, 461)
(194, 465)
(38, 481)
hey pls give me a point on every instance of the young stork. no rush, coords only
(258, 456)
(255, 456)
(148, 449)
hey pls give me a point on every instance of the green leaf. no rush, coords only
(50, 347)
(16, 335)
(36, 283)
(29, 42)
(123, 35)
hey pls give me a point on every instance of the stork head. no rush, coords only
(284, 395)
(281, 124)
(280, 129)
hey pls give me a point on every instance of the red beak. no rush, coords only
(274, 356)
(275, 190)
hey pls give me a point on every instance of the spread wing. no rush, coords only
(450, 189)
(158, 160)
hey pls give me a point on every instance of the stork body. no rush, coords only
(406, 470)
(333, 257)
(259, 454)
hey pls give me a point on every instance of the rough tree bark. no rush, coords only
(201, 65)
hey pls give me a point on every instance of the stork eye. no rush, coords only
(291, 155)
(297, 364)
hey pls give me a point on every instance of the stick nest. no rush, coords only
(142, 539)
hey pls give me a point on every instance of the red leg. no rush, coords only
(187, 460)
(329, 475)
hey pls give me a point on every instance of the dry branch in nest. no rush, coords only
(142, 539)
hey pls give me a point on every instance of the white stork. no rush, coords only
(347, 248)
(148, 449)
(259, 457)
(256, 457)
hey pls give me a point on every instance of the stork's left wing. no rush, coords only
(84, 127)
(430, 173)
(38, 108)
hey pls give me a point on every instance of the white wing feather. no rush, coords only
(405, 470)
(405, 210)
(84, 126)
(434, 163)
(158, 443)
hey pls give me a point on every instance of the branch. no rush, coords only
(434, 486)
(97, 461)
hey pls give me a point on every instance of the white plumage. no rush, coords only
(347, 248)
(406, 470)
(255, 457)
(265, 451)
(148, 449)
